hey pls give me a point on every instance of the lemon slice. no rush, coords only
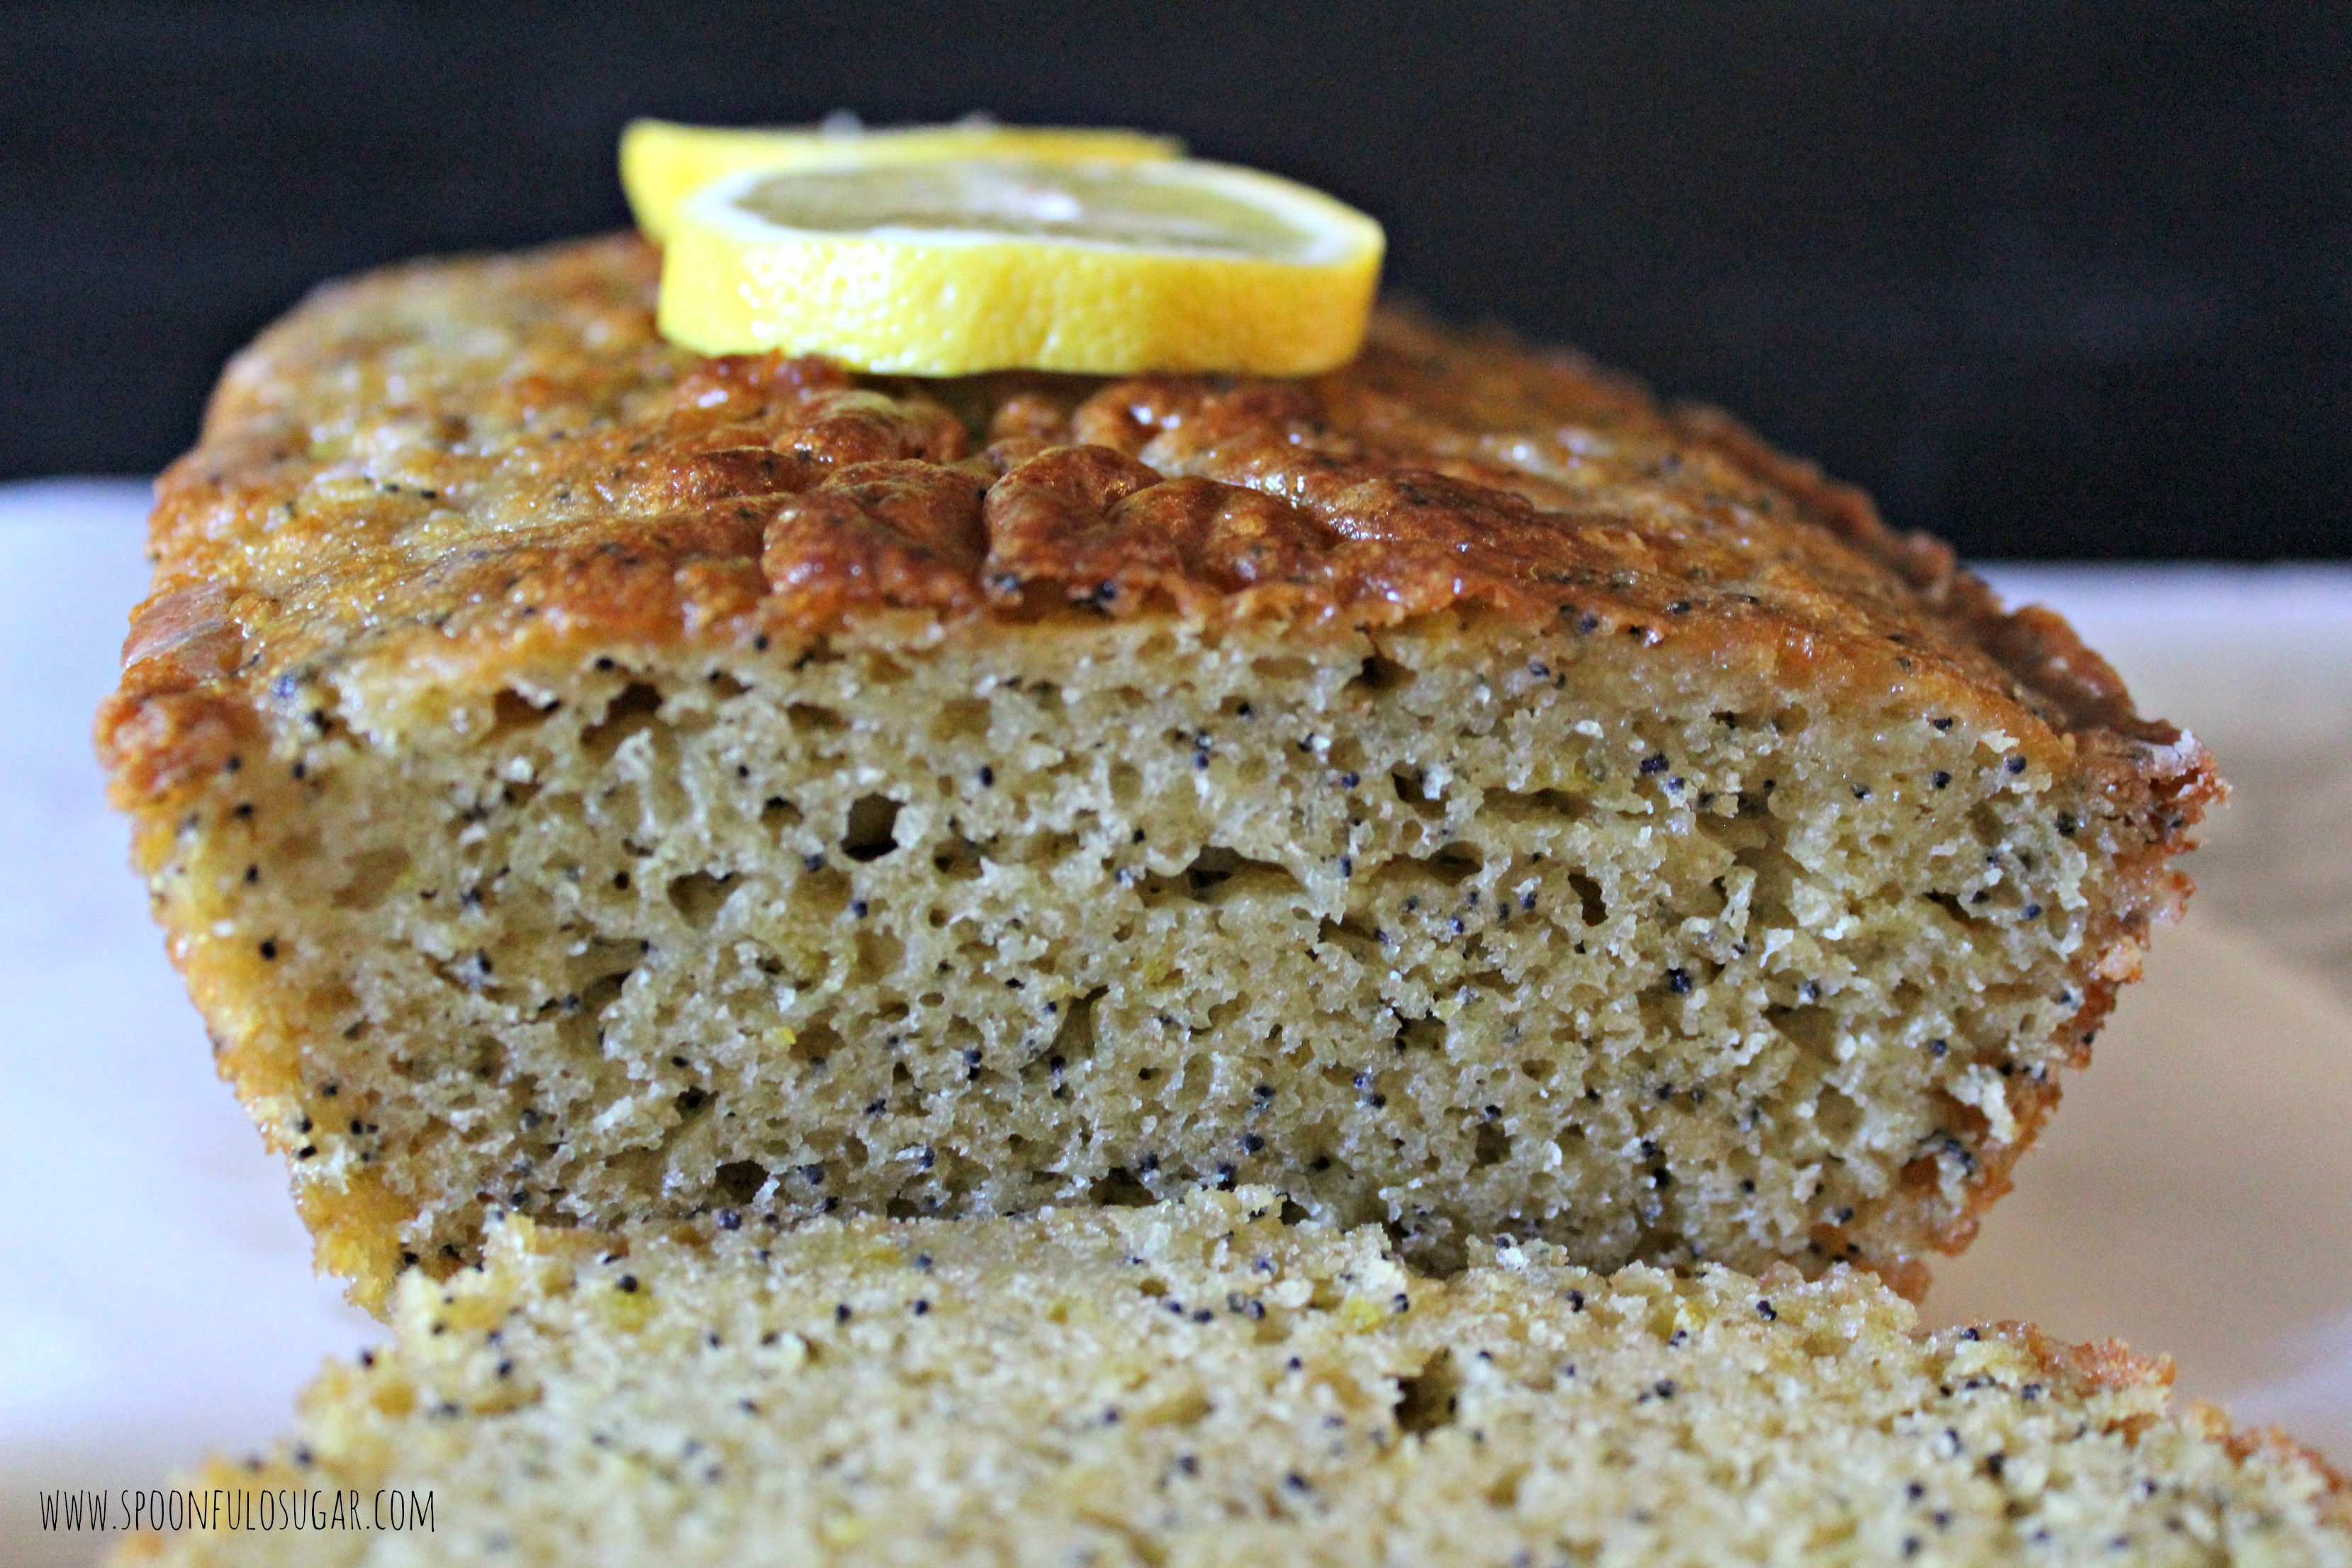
(950, 266)
(663, 162)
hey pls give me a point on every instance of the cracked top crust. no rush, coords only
(472, 466)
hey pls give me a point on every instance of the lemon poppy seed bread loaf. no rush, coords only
(587, 781)
(1197, 1383)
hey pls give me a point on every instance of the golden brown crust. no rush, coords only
(2087, 1368)
(2246, 1443)
(1435, 471)
(468, 467)
(581, 480)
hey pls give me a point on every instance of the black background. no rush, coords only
(2052, 279)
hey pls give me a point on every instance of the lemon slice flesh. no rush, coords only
(663, 162)
(951, 267)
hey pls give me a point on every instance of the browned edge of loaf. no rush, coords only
(2042, 653)
(2112, 1364)
(766, 500)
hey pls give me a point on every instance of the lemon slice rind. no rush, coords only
(663, 162)
(947, 302)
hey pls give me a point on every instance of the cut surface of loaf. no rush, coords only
(585, 780)
(1197, 1383)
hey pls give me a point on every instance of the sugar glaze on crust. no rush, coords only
(446, 472)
